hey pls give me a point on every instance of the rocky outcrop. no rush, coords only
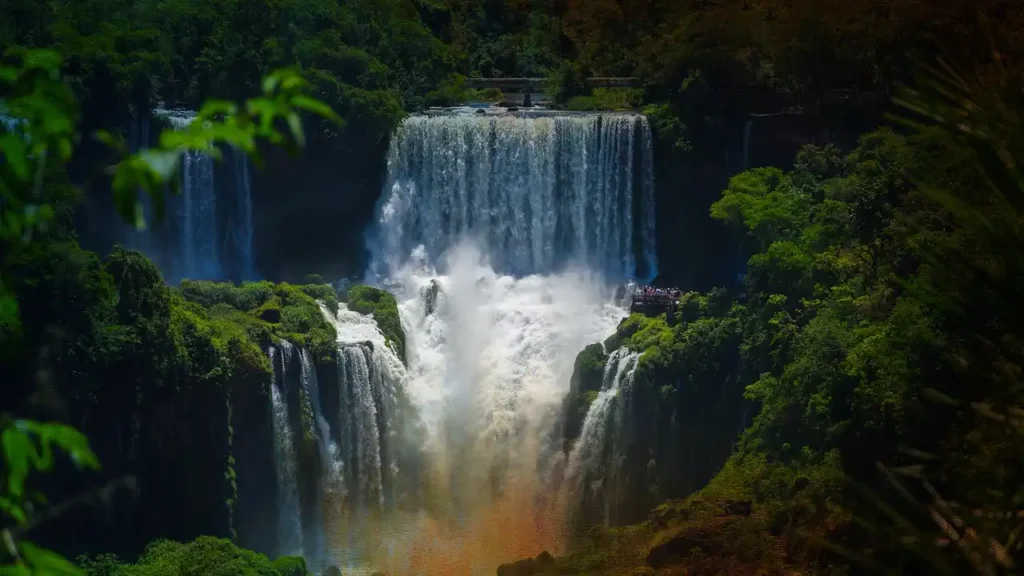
(675, 421)
(544, 563)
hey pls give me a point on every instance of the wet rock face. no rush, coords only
(706, 537)
(542, 564)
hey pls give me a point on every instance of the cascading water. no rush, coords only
(588, 459)
(534, 193)
(502, 239)
(289, 524)
(195, 212)
(240, 222)
(205, 233)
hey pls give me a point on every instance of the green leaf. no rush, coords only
(317, 107)
(15, 570)
(16, 153)
(48, 562)
(295, 123)
(42, 59)
(16, 444)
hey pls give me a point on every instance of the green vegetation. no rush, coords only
(871, 332)
(607, 99)
(203, 556)
(587, 376)
(272, 313)
(108, 344)
(384, 307)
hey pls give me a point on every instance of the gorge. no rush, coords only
(415, 427)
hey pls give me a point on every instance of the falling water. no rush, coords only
(534, 193)
(358, 406)
(587, 457)
(240, 224)
(747, 129)
(195, 211)
(289, 526)
(206, 234)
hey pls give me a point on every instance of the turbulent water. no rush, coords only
(503, 240)
(534, 193)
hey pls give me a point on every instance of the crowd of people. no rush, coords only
(652, 295)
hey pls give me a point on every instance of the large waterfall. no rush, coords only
(533, 193)
(503, 240)
(207, 230)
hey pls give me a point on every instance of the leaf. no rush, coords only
(16, 153)
(317, 107)
(48, 562)
(16, 446)
(42, 59)
(163, 163)
(15, 570)
(295, 123)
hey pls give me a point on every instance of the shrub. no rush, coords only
(205, 556)
(384, 307)
(291, 566)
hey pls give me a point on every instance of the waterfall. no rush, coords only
(241, 225)
(534, 193)
(371, 378)
(747, 130)
(206, 234)
(587, 459)
(330, 484)
(360, 378)
(289, 525)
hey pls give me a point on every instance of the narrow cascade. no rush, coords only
(534, 193)
(240, 222)
(587, 461)
(195, 212)
(329, 484)
(289, 524)
(373, 438)
(359, 380)
(207, 233)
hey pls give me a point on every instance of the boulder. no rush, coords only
(741, 508)
(709, 537)
(528, 567)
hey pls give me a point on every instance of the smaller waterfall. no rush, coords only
(358, 382)
(206, 234)
(289, 525)
(241, 224)
(747, 130)
(330, 484)
(588, 455)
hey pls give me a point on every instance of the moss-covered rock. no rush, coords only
(587, 374)
(275, 312)
(384, 308)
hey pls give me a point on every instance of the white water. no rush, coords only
(501, 239)
(289, 525)
(587, 456)
(533, 193)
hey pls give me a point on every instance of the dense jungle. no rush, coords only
(290, 287)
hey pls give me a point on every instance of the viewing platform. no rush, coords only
(652, 301)
(515, 89)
